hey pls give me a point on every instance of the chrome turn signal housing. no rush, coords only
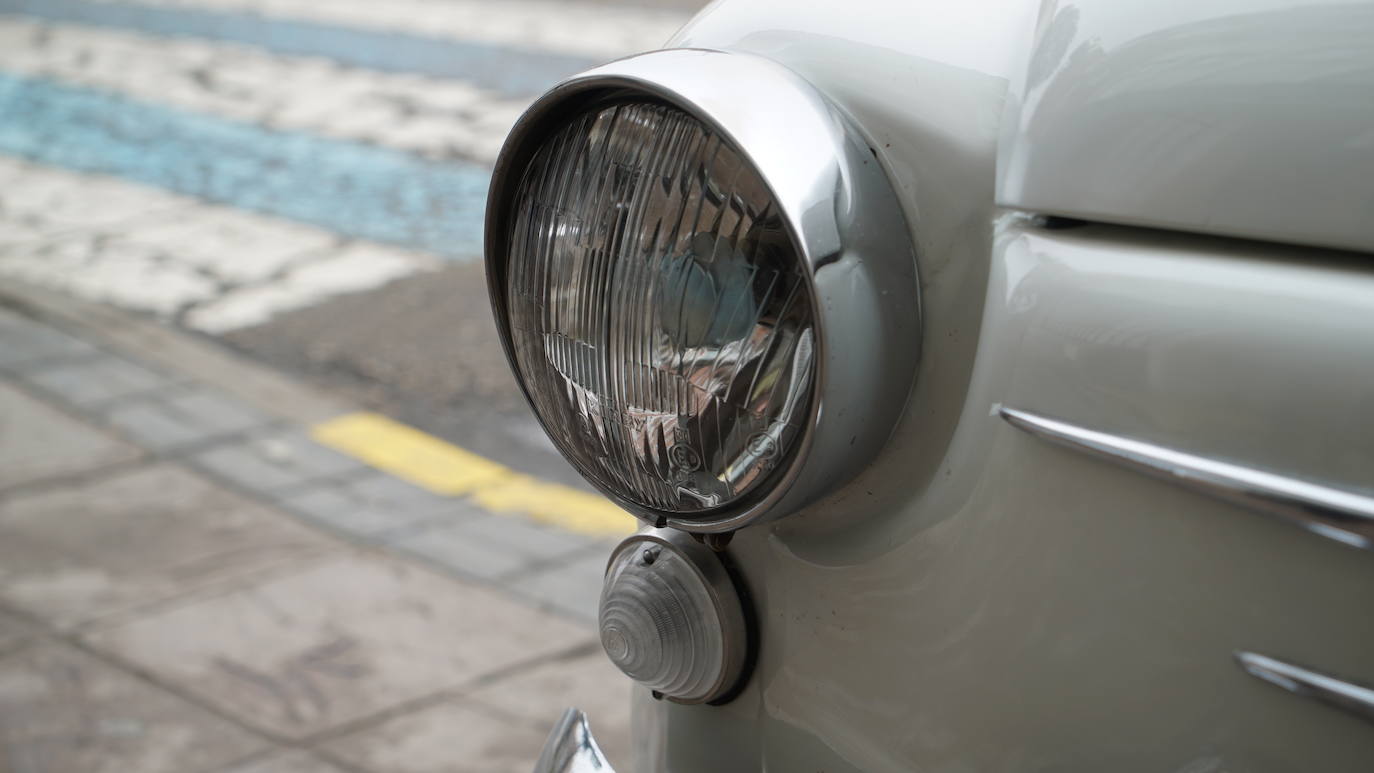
(704, 284)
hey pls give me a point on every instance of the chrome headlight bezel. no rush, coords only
(847, 227)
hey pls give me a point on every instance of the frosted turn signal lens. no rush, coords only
(672, 619)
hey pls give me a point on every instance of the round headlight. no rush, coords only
(660, 317)
(705, 286)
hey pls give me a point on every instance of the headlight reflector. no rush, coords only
(659, 315)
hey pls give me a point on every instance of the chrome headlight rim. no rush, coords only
(846, 227)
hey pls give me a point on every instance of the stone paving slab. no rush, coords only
(64, 711)
(39, 442)
(134, 538)
(491, 547)
(590, 682)
(285, 762)
(194, 415)
(452, 736)
(337, 642)
(95, 379)
(373, 504)
(573, 588)
(23, 341)
(275, 462)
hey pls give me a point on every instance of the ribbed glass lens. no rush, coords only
(659, 624)
(670, 620)
(660, 319)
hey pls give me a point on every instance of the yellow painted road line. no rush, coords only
(445, 469)
(558, 505)
(408, 453)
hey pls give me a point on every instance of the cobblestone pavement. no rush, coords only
(189, 582)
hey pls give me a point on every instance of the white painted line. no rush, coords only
(433, 117)
(143, 249)
(354, 268)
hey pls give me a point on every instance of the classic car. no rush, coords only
(993, 379)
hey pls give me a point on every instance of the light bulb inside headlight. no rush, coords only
(659, 316)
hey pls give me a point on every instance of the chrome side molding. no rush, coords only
(1356, 699)
(571, 748)
(1339, 515)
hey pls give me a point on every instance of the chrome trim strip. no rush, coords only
(1356, 699)
(1339, 515)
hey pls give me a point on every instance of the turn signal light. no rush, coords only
(673, 619)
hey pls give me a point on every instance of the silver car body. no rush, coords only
(1136, 448)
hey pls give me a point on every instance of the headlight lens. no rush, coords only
(659, 315)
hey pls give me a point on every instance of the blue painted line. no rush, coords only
(505, 69)
(351, 188)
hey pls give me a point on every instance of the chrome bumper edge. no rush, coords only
(571, 748)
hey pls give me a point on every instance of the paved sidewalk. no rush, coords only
(189, 583)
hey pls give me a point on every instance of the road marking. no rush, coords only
(408, 453)
(350, 188)
(440, 119)
(447, 470)
(503, 68)
(558, 505)
(136, 247)
(597, 30)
